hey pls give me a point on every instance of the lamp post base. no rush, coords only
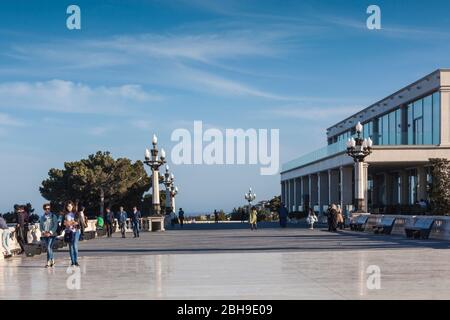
(360, 206)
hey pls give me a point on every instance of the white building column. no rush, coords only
(323, 190)
(346, 186)
(298, 193)
(313, 190)
(305, 189)
(291, 194)
(333, 186)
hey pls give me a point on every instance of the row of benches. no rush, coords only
(420, 230)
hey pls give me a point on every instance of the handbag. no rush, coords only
(68, 236)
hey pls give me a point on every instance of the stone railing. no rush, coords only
(439, 231)
(34, 232)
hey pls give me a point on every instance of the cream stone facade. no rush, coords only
(408, 128)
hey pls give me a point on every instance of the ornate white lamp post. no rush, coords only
(359, 148)
(173, 193)
(154, 162)
(249, 196)
(169, 178)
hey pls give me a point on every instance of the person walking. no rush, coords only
(83, 223)
(5, 236)
(72, 222)
(48, 224)
(283, 214)
(333, 218)
(311, 219)
(181, 217)
(339, 217)
(252, 218)
(22, 227)
(109, 221)
(122, 217)
(216, 216)
(135, 217)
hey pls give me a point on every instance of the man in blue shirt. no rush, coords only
(135, 216)
(122, 217)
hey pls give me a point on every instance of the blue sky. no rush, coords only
(154, 66)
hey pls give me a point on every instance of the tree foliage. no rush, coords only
(440, 187)
(95, 182)
(275, 203)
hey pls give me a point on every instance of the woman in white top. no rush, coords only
(72, 231)
(311, 219)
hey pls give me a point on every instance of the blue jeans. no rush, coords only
(49, 245)
(73, 247)
(136, 228)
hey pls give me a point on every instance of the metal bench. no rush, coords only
(360, 223)
(385, 226)
(421, 229)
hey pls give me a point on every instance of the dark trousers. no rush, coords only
(181, 222)
(109, 229)
(283, 222)
(122, 229)
(22, 237)
(135, 228)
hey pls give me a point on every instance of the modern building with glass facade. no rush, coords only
(407, 128)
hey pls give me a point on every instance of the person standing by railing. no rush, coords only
(135, 216)
(5, 235)
(109, 221)
(48, 224)
(22, 227)
(122, 221)
(181, 217)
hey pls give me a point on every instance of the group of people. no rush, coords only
(122, 217)
(174, 219)
(71, 221)
(335, 218)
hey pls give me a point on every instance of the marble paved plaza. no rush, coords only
(222, 262)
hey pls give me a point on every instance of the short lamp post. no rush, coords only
(249, 196)
(154, 162)
(168, 183)
(359, 148)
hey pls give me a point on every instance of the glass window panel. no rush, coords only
(386, 129)
(398, 126)
(410, 124)
(392, 128)
(436, 118)
(428, 120)
(418, 109)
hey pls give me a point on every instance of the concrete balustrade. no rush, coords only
(34, 232)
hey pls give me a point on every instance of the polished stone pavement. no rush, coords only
(226, 262)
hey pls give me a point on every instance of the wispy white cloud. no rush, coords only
(7, 120)
(98, 130)
(387, 30)
(144, 125)
(69, 97)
